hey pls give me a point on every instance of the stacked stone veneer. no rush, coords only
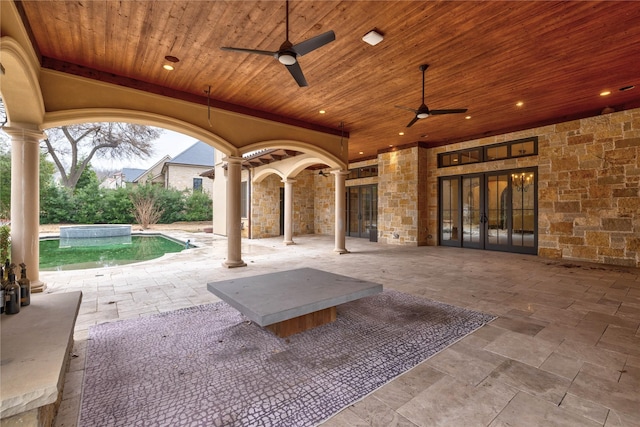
(303, 203)
(265, 206)
(401, 205)
(588, 191)
(324, 203)
(588, 186)
(181, 178)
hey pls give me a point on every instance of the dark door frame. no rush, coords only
(456, 230)
(373, 228)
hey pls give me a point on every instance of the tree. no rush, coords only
(74, 146)
(87, 178)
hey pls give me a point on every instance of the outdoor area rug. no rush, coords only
(209, 366)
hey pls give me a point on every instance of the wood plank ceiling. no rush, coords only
(555, 57)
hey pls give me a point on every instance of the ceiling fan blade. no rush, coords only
(258, 52)
(314, 43)
(407, 108)
(454, 111)
(415, 119)
(296, 72)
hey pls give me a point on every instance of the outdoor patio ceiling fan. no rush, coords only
(288, 53)
(423, 111)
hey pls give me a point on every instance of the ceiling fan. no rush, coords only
(288, 53)
(423, 111)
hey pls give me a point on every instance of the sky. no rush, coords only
(171, 143)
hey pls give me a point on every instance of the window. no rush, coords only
(197, 184)
(470, 156)
(499, 152)
(243, 199)
(505, 150)
(363, 172)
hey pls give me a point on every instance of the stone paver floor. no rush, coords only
(565, 350)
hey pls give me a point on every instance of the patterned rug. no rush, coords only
(209, 366)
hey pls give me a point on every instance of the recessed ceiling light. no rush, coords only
(605, 93)
(467, 117)
(519, 104)
(424, 135)
(361, 152)
(321, 111)
(400, 133)
(622, 89)
(390, 145)
(168, 67)
(171, 59)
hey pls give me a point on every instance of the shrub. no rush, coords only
(198, 207)
(5, 242)
(146, 209)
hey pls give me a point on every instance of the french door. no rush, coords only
(496, 211)
(362, 210)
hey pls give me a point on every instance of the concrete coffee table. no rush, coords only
(292, 301)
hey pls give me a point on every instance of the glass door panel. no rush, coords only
(353, 212)
(372, 224)
(497, 195)
(362, 210)
(495, 211)
(365, 200)
(450, 211)
(523, 208)
(471, 211)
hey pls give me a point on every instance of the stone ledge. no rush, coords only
(35, 347)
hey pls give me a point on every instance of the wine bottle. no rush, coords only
(12, 291)
(25, 286)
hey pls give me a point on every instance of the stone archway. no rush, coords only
(290, 172)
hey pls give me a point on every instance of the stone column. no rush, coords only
(339, 232)
(25, 200)
(234, 223)
(288, 211)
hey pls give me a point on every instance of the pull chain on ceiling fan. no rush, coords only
(288, 53)
(423, 111)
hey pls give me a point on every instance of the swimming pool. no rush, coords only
(104, 254)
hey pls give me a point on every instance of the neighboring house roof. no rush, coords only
(155, 168)
(132, 174)
(199, 154)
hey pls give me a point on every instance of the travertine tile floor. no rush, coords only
(565, 350)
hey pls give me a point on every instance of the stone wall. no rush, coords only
(588, 186)
(181, 178)
(303, 203)
(324, 203)
(265, 207)
(590, 206)
(398, 204)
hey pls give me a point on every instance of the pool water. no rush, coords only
(140, 248)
